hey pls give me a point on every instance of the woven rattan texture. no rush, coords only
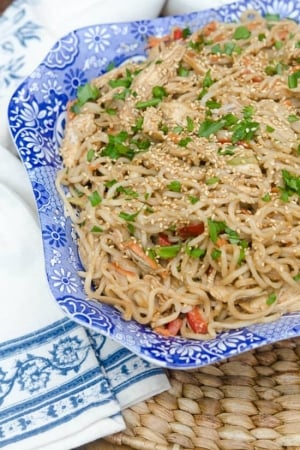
(249, 402)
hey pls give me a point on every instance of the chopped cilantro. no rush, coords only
(272, 17)
(271, 299)
(130, 193)
(241, 32)
(85, 93)
(266, 197)
(117, 146)
(193, 199)
(207, 80)
(216, 253)
(110, 183)
(291, 182)
(183, 71)
(122, 82)
(293, 118)
(270, 129)
(174, 186)
(190, 124)
(293, 79)
(184, 141)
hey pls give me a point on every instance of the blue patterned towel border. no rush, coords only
(48, 378)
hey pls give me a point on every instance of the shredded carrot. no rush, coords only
(175, 137)
(70, 113)
(154, 41)
(221, 241)
(122, 271)
(287, 102)
(162, 331)
(251, 26)
(220, 37)
(283, 34)
(210, 28)
(274, 189)
(139, 252)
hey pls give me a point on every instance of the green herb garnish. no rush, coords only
(96, 229)
(195, 252)
(174, 186)
(128, 217)
(85, 93)
(90, 155)
(95, 198)
(241, 32)
(168, 251)
(271, 299)
(216, 253)
(143, 104)
(293, 79)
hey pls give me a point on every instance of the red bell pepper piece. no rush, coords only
(191, 230)
(196, 321)
(163, 240)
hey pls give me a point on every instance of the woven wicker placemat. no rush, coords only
(248, 402)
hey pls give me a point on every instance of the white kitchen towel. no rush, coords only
(60, 384)
(29, 28)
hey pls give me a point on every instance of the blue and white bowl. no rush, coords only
(37, 118)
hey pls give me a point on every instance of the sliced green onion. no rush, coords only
(241, 32)
(169, 251)
(209, 126)
(90, 155)
(146, 103)
(212, 180)
(159, 92)
(96, 229)
(195, 252)
(95, 198)
(271, 299)
(216, 253)
(128, 217)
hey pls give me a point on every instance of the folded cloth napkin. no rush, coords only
(61, 385)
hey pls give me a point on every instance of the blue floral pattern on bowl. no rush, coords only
(37, 119)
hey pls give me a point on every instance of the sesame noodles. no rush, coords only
(182, 179)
